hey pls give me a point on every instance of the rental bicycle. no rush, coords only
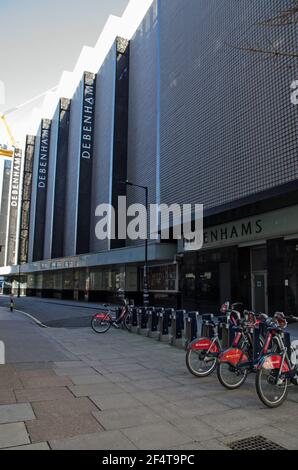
(202, 353)
(277, 370)
(101, 322)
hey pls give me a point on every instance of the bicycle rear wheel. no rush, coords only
(101, 322)
(230, 376)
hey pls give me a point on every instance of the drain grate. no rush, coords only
(255, 443)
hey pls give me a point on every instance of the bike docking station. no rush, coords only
(142, 321)
(177, 328)
(152, 325)
(191, 327)
(164, 324)
(134, 320)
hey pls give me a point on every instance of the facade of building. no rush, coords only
(197, 107)
(5, 176)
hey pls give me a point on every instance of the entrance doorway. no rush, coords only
(259, 279)
(260, 292)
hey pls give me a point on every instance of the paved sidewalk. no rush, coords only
(73, 389)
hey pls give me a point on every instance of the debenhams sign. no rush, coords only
(274, 224)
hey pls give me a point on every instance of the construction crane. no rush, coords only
(8, 153)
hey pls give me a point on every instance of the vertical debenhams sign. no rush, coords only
(41, 193)
(14, 208)
(86, 157)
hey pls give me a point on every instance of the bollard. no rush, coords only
(177, 327)
(164, 323)
(191, 327)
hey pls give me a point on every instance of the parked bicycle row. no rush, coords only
(257, 344)
(235, 343)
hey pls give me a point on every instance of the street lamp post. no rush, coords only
(145, 276)
(19, 280)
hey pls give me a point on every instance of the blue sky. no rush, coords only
(41, 39)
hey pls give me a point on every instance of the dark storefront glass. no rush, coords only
(291, 277)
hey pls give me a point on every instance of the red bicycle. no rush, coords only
(276, 370)
(103, 321)
(202, 353)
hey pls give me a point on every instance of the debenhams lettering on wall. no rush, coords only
(15, 183)
(43, 158)
(232, 232)
(88, 117)
(279, 223)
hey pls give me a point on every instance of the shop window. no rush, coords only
(291, 277)
(162, 278)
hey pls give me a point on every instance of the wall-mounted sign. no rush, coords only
(41, 189)
(14, 200)
(273, 224)
(86, 158)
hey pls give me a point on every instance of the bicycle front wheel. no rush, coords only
(101, 323)
(199, 363)
(127, 321)
(271, 390)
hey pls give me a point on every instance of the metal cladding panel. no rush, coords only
(26, 199)
(228, 128)
(142, 121)
(14, 207)
(103, 143)
(33, 195)
(41, 184)
(59, 195)
(51, 185)
(85, 165)
(72, 179)
(7, 165)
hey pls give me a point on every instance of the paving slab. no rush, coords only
(196, 429)
(230, 422)
(64, 407)
(16, 412)
(155, 436)
(42, 394)
(107, 440)
(38, 446)
(45, 382)
(189, 408)
(74, 371)
(126, 417)
(7, 396)
(68, 364)
(116, 401)
(105, 389)
(33, 365)
(35, 373)
(89, 379)
(13, 434)
(56, 427)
